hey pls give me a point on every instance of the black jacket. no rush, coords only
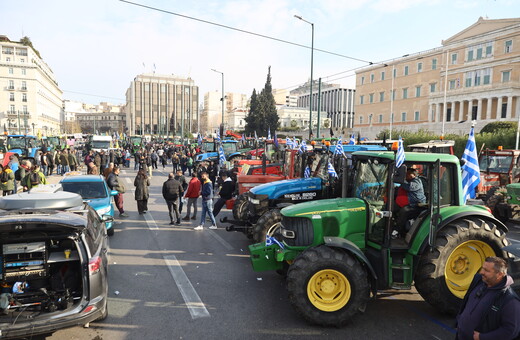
(228, 188)
(171, 190)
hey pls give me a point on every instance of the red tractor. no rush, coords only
(497, 169)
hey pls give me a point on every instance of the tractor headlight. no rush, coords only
(254, 200)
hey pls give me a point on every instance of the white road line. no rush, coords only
(190, 296)
(152, 225)
(221, 240)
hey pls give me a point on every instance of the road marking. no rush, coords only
(221, 240)
(152, 225)
(190, 296)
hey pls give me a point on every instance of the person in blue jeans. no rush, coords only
(207, 202)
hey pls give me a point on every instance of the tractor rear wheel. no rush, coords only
(327, 286)
(267, 224)
(444, 274)
(240, 207)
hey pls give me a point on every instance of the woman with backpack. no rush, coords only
(6, 180)
(34, 178)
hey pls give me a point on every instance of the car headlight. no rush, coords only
(103, 211)
(254, 200)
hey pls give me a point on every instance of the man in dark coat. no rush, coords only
(491, 309)
(226, 192)
(114, 183)
(171, 191)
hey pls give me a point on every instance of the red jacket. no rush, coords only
(193, 190)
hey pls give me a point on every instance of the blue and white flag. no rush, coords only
(295, 143)
(268, 133)
(269, 241)
(243, 138)
(199, 139)
(339, 148)
(221, 156)
(470, 169)
(399, 157)
(307, 172)
(289, 143)
(352, 140)
(256, 137)
(330, 169)
(303, 147)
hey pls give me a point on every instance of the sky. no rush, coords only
(97, 47)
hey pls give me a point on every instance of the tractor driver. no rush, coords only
(414, 191)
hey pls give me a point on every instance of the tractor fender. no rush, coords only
(233, 155)
(338, 242)
(463, 214)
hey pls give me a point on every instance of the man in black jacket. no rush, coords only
(226, 192)
(490, 309)
(114, 183)
(171, 191)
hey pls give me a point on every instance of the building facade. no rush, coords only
(162, 105)
(235, 109)
(474, 77)
(96, 119)
(30, 99)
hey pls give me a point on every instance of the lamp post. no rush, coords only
(312, 58)
(223, 95)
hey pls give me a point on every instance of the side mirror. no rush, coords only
(400, 174)
(113, 192)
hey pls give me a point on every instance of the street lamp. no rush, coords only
(223, 96)
(312, 57)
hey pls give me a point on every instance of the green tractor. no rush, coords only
(338, 252)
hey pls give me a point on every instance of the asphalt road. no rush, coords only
(172, 282)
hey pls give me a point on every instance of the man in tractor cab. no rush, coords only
(410, 196)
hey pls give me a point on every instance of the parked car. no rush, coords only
(95, 192)
(54, 263)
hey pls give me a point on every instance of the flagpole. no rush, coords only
(392, 102)
(444, 108)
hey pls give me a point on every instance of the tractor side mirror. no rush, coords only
(400, 174)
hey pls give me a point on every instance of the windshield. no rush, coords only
(19, 142)
(209, 147)
(229, 147)
(136, 140)
(53, 141)
(87, 190)
(100, 144)
(495, 163)
(369, 182)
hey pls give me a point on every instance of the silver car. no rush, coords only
(53, 265)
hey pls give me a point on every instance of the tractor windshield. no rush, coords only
(229, 148)
(496, 163)
(369, 182)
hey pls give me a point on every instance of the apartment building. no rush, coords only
(30, 99)
(473, 77)
(162, 105)
(235, 109)
(101, 118)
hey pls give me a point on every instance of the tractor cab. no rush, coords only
(434, 146)
(497, 169)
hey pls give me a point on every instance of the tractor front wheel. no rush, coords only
(240, 207)
(327, 286)
(444, 274)
(267, 224)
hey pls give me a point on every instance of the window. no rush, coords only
(381, 97)
(508, 46)
(24, 110)
(11, 70)
(383, 75)
(470, 55)
(11, 84)
(11, 97)
(7, 59)
(371, 98)
(469, 79)
(380, 118)
(454, 58)
(12, 109)
(360, 119)
(395, 72)
(452, 84)
(416, 116)
(487, 75)
(362, 80)
(24, 97)
(432, 87)
(24, 71)
(506, 76)
(417, 91)
(22, 60)
(393, 94)
(24, 85)
(403, 116)
(419, 67)
(406, 70)
(480, 51)
(434, 64)
(372, 78)
(361, 100)
(405, 93)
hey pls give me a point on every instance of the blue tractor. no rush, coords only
(211, 151)
(262, 216)
(26, 146)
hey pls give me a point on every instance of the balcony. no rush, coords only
(23, 88)
(15, 114)
(10, 88)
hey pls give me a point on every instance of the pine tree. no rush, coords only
(268, 105)
(253, 119)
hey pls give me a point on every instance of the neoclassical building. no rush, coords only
(473, 76)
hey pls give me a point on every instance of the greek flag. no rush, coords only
(339, 148)
(399, 157)
(295, 143)
(268, 133)
(303, 147)
(352, 140)
(221, 156)
(199, 139)
(307, 172)
(470, 169)
(330, 169)
(269, 241)
(289, 143)
(218, 136)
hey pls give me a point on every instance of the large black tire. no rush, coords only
(490, 193)
(494, 200)
(444, 274)
(240, 207)
(110, 232)
(320, 273)
(267, 224)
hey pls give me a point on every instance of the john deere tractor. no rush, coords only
(339, 252)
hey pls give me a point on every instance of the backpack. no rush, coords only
(18, 174)
(190, 161)
(4, 177)
(34, 178)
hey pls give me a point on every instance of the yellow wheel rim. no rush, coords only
(328, 290)
(463, 264)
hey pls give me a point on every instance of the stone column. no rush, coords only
(489, 107)
(509, 107)
(479, 109)
(499, 108)
(430, 109)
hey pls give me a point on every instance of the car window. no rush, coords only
(94, 230)
(86, 190)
